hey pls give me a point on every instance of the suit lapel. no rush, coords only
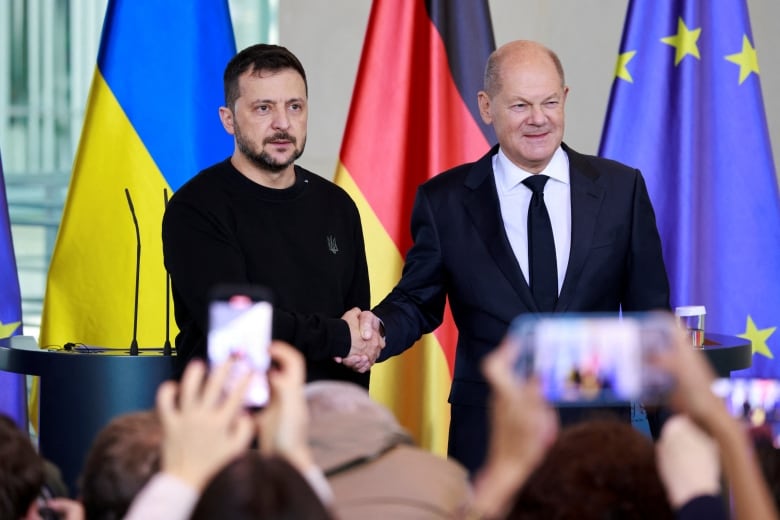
(586, 198)
(482, 206)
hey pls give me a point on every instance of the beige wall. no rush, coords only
(328, 36)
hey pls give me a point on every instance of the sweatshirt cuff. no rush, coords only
(339, 339)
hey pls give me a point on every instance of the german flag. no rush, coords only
(414, 114)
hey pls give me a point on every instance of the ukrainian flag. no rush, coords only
(151, 123)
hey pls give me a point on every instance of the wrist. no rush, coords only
(494, 487)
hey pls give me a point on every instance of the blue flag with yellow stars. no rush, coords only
(12, 388)
(686, 109)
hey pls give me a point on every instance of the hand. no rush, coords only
(688, 461)
(523, 426)
(371, 330)
(66, 508)
(370, 326)
(206, 429)
(283, 424)
(367, 342)
(692, 394)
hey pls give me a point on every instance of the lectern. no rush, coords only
(727, 353)
(81, 391)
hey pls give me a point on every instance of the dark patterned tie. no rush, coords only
(543, 269)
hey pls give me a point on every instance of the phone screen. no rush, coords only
(240, 328)
(586, 360)
(755, 402)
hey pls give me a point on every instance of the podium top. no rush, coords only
(727, 353)
(21, 354)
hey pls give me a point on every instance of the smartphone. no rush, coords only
(240, 320)
(593, 359)
(755, 402)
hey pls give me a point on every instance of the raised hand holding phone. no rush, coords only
(240, 323)
(594, 359)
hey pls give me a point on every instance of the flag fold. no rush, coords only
(413, 114)
(13, 398)
(151, 123)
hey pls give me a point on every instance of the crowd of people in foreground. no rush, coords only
(326, 450)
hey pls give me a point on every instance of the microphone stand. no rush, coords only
(134, 342)
(167, 350)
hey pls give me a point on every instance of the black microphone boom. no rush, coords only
(134, 342)
(167, 346)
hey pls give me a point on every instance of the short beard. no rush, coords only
(262, 159)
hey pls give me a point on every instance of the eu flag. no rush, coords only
(12, 389)
(686, 109)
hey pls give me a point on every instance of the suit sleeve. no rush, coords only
(416, 305)
(647, 285)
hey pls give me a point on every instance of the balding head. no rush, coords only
(517, 53)
(524, 100)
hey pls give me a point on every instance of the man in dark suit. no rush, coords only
(470, 230)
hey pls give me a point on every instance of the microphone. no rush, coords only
(167, 346)
(134, 342)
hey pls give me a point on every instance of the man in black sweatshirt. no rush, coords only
(257, 218)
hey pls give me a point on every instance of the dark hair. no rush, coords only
(123, 457)
(21, 470)
(255, 59)
(597, 469)
(253, 486)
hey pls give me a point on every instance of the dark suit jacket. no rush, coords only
(461, 251)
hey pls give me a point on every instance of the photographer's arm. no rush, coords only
(523, 426)
(694, 397)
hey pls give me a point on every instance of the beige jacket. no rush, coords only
(376, 472)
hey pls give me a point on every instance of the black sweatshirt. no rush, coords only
(304, 243)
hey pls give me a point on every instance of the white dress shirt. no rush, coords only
(514, 198)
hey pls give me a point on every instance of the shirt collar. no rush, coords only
(509, 176)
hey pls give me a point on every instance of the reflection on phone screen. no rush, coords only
(755, 402)
(240, 328)
(587, 360)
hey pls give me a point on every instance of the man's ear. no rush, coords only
(226, 116)
(483, 100)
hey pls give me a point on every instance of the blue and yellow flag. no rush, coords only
(151, 123)
(686, 108)
(12, 388)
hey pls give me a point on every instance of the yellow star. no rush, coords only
(758, 338)
(620, 70)
(6, 329)
(684, 41)
(747, 59)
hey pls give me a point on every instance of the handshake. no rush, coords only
(367, 338)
